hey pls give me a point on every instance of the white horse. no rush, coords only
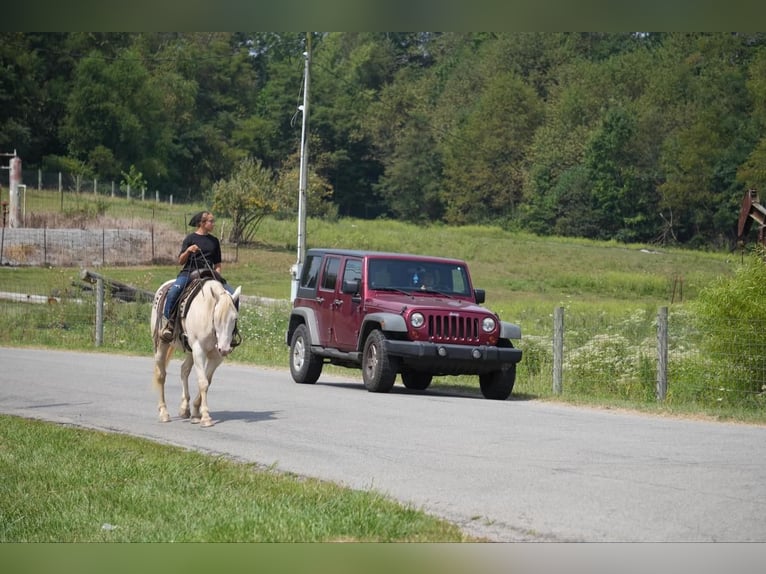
(209, 326)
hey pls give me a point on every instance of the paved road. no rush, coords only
(510, 471)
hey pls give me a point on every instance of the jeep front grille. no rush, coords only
(446, 327)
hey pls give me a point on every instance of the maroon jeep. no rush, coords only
(390, 313)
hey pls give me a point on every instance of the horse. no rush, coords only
(208, 335)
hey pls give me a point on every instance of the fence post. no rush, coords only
(662, 353)
(558, 349)
(99, 311)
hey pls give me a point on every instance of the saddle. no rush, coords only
(196, 279)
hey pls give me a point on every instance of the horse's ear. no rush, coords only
(237, 292)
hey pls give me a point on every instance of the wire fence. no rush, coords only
(650, 355)
(68, 182)
(627, 359)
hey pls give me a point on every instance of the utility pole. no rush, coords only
(303, 180)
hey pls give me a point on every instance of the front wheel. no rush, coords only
(378, 367)
(305, 366)
(416, 381)
(498, 385)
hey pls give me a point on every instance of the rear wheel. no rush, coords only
(416, 381)
(498, 385)
(378, 367)
(305, 366)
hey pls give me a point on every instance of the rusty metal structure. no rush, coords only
(751, 211)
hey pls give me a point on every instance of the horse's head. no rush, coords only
(225, 322)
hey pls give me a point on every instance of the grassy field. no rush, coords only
(602, 286)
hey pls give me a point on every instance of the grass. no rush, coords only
(63, 484)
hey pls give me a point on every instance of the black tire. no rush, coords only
(498, 385)
(305, 366)
(378, 368)
(416, 381)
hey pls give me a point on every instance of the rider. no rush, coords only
(199, 250)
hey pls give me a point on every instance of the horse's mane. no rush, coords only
(217, 290)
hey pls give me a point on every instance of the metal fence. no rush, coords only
(67, 182)
(95, 247)
(651, 355)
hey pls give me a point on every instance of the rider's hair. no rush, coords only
(197, 218)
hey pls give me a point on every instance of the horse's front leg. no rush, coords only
(186, 367)
(205, 369)
(161, 359)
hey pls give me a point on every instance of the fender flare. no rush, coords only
(309, 319)
(388, 322)
(509, 330)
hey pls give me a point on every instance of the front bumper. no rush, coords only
(442, 358)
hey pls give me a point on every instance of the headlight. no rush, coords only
(417, 320)
(488, 324)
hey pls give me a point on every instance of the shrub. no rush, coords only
(730, 319)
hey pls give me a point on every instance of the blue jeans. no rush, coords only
(178, 287)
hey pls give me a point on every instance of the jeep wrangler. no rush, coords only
(393, 313)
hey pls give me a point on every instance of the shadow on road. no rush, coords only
(245, 416)
(457, 391)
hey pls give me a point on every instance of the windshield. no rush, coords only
(427, 276)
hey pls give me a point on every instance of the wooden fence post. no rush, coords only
(99, 311)
(662, 353)
(558, 349)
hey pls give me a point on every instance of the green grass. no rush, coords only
(63, 484)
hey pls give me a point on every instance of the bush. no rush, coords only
(730, 318)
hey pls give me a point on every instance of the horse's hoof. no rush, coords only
(184, 414)
(165, 418)
(195, 420)
(207, 423)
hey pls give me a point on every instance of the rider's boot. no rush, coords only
(166, 330)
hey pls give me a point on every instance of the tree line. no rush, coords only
(635, 137)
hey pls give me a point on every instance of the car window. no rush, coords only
(353, 270)
(330, 275)
(379, 275)
(311, 271)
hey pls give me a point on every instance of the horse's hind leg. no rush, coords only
(161, 359)
(186, 367)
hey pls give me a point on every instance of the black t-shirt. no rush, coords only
(209, 250)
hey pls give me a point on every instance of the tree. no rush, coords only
(247, 196)
(703, 79)
(348, 71)
(484, 157)
(117, 105)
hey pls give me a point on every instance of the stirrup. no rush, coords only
(166, 333)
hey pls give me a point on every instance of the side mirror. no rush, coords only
(350, 287)
(479, 295)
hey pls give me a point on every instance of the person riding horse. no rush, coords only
(199, 250)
